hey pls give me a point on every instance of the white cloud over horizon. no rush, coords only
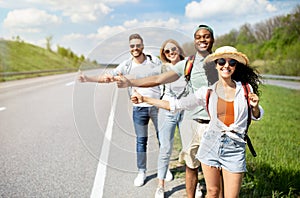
(29, 20)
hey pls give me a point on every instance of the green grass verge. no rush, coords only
(275, 172)
(18, 56)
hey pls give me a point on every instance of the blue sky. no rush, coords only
(82, 25)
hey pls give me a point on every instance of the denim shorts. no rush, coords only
(220, 151)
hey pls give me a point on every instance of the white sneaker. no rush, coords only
(160, 193)
(140, 179)
(169, 176)
(198, 193)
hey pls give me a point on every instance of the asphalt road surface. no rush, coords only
(61, 138)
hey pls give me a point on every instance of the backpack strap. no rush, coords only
(247, 138)
(163, 69)
(207, 99)
(246, 88)
(188, 67)
(187, 73)
(149, 56)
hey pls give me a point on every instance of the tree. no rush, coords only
(245, 35)
(227, 39)
(49, 42)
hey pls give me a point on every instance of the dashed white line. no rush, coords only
(70, 83)
(98, 187)
(2, 108)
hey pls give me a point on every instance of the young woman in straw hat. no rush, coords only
(222, 149)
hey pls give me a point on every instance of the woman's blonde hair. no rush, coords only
(162, 55)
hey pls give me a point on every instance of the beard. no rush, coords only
(136, 53)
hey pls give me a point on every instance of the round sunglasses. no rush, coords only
(222, 62)
(173, 49)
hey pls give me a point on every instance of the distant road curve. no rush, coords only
(283, 83)
(290, 82)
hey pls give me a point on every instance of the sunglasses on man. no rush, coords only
(135, 45)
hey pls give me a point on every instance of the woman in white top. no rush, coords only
(222, 149)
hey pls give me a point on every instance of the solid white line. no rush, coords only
(2, 108)
(98, 187)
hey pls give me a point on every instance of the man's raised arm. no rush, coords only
(151, 81)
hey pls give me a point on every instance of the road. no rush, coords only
(283, 83)
(61, 138)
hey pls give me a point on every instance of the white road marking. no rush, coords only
(98, 187)
(2, 108)
(70, 83)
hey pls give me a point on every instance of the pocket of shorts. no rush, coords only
(238, 144)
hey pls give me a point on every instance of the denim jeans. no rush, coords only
(167, 123)
(141, 117)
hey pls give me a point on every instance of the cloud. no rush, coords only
(113, 36)
(85, 11)
(105, 32)
(82, 11)
(29, 20)
(205, 9)
(170, 23)
(121, 1)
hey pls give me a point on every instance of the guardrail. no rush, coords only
(9, 74)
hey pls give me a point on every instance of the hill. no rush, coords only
(19, 56)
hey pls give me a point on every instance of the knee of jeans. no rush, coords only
(141, 143)
(165, 150)
(164, 155)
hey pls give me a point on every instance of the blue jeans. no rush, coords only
(141, 117)
(167, 123)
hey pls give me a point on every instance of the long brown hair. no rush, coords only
(247, 74)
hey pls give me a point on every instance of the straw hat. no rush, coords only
(227, 52)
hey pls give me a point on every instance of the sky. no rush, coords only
(87, 25)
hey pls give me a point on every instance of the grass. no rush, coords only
(276, 67)
(275, 172)
(19, 56)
